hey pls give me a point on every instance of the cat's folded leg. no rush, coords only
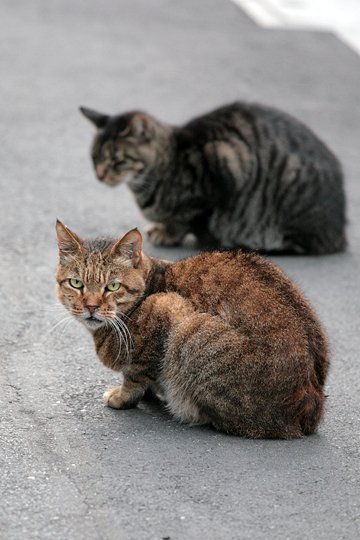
(161, 234)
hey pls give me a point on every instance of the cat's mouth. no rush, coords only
(93, 322)
(111, 180)
(118, 178)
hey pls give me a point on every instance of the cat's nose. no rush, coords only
(91, 308)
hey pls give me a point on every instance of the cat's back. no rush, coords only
(256, 125)
(226, 273)
(246, 290)
(241, 114)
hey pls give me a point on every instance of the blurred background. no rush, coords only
(172, 59)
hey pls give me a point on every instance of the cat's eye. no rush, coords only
(76, 283)
(119, 164)
(113, 287)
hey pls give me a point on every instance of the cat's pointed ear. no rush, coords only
(142, 125)
(68, 242)
(98, 119)
(129, 248)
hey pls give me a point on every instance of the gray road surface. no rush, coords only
(71, 468)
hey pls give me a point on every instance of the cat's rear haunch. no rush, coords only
(241, 176)
(224, 337)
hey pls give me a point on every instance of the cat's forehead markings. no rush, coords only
(94, 274)
(95, 269)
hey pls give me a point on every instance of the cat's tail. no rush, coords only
(320, 352)
(308, 407)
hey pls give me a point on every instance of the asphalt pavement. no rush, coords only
(70, 467)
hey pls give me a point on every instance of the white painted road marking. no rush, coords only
(342, 17)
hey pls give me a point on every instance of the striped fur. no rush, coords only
(241, 176)
(224, 337)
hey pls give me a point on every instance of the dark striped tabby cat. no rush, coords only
(224, 338)
(242, 176)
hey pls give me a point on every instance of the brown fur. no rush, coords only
(224, 337)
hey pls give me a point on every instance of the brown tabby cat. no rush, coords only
(225, 337)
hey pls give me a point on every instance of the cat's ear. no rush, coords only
(129, 248)
(68, 242)
(141, 125)
(98, 119)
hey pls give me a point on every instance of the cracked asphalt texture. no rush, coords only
(70, 467)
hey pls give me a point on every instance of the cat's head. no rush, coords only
(125, 147)
(100, 280)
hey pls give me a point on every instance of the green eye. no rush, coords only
(76, 283)
(115, 286)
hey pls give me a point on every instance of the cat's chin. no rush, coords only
(93, 324)
(122, 178)
(112, 182)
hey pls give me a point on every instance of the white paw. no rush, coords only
(190, 240)
(113, 398)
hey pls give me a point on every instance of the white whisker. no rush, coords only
(66, 324)
(126, 333)
(124, 338)
(55, 308)
(118, 338)
(62, 321)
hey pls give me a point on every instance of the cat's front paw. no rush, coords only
(190, 240)
(113, 398)
(159, 236)
(121, 397)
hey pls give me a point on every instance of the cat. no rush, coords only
(243, 175)
(224, 338)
